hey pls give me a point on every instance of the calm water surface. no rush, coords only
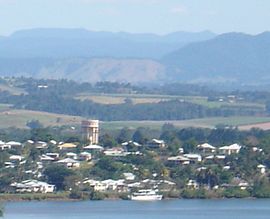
(190, 209)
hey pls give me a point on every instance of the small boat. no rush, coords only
(146, 195)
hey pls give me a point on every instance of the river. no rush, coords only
(171, 209)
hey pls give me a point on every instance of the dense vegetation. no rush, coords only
(152, 164)
(59, 96)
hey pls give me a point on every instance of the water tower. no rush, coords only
(90, 130)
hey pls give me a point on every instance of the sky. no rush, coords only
(137, 16)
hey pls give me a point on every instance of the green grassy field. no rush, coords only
(203, 123)
(19, 118)
(148, 98)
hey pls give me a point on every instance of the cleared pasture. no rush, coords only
(149, 98)
(19, 118)
(199, 123)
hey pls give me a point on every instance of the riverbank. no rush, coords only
(61, 196)
(66, 196)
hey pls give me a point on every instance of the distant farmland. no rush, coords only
(18, 118)
(198, 123)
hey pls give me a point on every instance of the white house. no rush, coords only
(53, 155)
(85, 156)
(16, 158)
(33, 186)
(232, 149)
(129, 176)
(193, 157)
(262, 168)
(93, 147)
(72, 155)
(69, 163)
(192, 184)
(206, 148)
(46, 158)
(132, 143)
(41, 145)
(115, 152)
(14, 144)
(107, 185)
(156, 143)
(179, 160)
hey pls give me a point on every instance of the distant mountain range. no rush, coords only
(70, 43)
(228, 57)
(92, 56)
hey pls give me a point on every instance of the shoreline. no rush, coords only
(56, 198)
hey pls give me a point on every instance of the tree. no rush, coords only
(4, 156)
(124, 135)
(41, 134)
(34, 124)
(107, 140)
(56, 175)
(141, 136)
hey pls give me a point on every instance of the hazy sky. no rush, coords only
(156, 16)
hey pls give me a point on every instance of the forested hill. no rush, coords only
(228, 57)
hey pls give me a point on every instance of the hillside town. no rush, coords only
(121, 170)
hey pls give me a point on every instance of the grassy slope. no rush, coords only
(19, 118)
(11, 89)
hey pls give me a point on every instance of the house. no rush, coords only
(9, 164)
(94, 147)
(14, 144)
(115, 152)
(53, 155)
(46, 159)
(256, 149)
(41, 145)
(85, 156)
(179, 160)
(155, 143)
(53, 142)
(215, 157)
(4, 146)
(193, 157)
(69, 163)
(129, 176)
(30, 141)
(262, 168)
(192, 184)
(33, 186)
(232, 149)
(72, 155)
(131, 145)
(237, 183)
(115, 185)
(181, 150)
(107, 185)
(96, 185)
(226, 168)
(16, 158)
(206, 148)
(67, 146)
